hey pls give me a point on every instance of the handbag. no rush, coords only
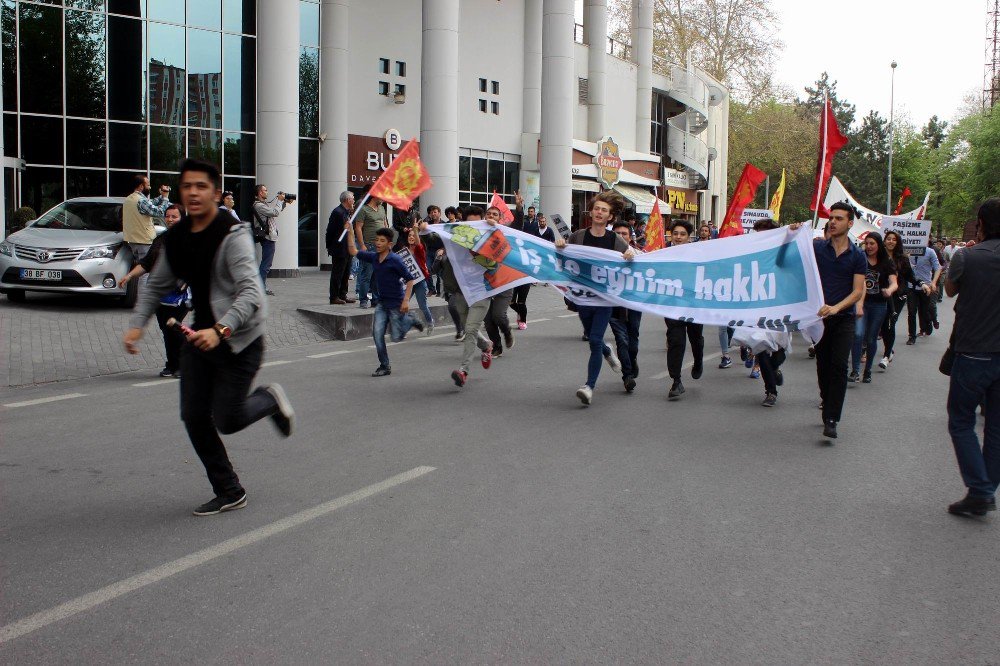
(259, 228)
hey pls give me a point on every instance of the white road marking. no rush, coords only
(665, 374)
(333, 353)
(536, 321)
(156, 574)
(42, 401)
(273, 363)
(166, 381)
(567, 316)
(435, 337)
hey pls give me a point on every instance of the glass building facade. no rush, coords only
(95, 91)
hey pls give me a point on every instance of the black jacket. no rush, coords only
(339, 217)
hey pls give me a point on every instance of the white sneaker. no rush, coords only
(884, 363)
(613, 362)
(585, 394)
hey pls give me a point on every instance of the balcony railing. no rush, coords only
(614, 47)
(686, 149)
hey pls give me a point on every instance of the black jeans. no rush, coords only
(456, 316)
(676, 330)
(497, 323)
(172, 340)
(769, 363)
(340, 274)
(896, 304)
(918, 304)
(519, 302)
(626, 331)
(214, 388)
(832, 354)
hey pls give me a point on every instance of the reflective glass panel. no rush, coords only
(308, 23)
(495, 176)
(85, 73)
(239, 80)
(309, 92)
(10, 144)
(86, 143)
(166, 74)
(41, 140)
(478, 174)
(205, 145)
(171, 179)
(239, 151)
(242, 189)
(8, 22)
(40, 37)
(126, 69)
(167, 10)
(464, 163)
(127, 7)
(240, 16)
(93, 5)
(204, 13)
(120, 183)
(127, 146)
(166, 148)
(205, 79)
(511, 177)
(86, 183)
(309, 159)
(41, 188)
(308, 205)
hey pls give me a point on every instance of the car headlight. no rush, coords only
(7, 248)
(100, 252)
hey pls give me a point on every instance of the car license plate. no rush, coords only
(38, 274)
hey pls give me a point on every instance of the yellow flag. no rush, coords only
(779, 194)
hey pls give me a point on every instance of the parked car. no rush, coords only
(75, 247)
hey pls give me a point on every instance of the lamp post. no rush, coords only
(892, 94)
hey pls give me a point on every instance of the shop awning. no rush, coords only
(586, 185)
(641, 199)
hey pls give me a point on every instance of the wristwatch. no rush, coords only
(224, 331)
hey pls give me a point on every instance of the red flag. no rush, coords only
(830, 142)
(746, 190)
(654, 229)
(497, 201)
(902, 198)
(404, 180)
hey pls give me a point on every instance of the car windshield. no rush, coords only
(83, 216)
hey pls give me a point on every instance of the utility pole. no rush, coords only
(892, 94)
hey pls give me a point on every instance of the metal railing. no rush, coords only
(614, 47)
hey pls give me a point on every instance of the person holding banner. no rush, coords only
(625, 326)
(392, 307)
(497, 322)
(880, 285)
(531, 224)
(904, 277)
(420, 289)
(472, 316)
(606, 207)
(680, 234)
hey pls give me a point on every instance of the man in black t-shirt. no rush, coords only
(224, 351)
(680, 234)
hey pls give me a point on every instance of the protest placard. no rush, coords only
(915, 233)
(411, 264)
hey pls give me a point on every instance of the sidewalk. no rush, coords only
(57, 337)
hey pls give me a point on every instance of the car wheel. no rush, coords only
(131, 294)
(16, 296)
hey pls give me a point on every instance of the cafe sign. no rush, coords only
(609, 162)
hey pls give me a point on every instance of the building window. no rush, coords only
(400, 69)
(307, 204)
(495, 107)
(496, 87)
(482, 105)
(383, 65)
(481, 172)
(482, 85)
(383, 87)
(400, 89)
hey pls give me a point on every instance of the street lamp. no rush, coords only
(892, 94)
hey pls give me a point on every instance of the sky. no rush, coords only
(939, 49)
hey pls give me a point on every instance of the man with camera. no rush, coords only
(138, 212)
(265, 228)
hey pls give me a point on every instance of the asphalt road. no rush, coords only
(528, 529)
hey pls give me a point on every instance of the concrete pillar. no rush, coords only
(439, 101)
(558, 101)
(333, 90)
(642, 54)
(595, 34)
(278, 120)
(532, 108)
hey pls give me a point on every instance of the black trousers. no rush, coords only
(456, 316)
(497, 323)
(340, 275)
(769, 363)
(214, 399)
(519, 302)
(918, 305)
(896, 304)
(832, 354)
(676, 331)
(625, 327)
(172, 340)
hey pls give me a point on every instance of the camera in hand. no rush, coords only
(289, 198)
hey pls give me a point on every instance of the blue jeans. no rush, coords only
(866, 330)
(266, 257)
(364, 280)
(398, 324)
(595, 321)
(420, 291)
(975, 380)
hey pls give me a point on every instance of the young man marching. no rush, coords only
(680, 234)
(392, 309)
(223, 353)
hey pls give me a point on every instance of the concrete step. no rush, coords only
(350, 322)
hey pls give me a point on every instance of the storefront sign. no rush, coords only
(675, 178)
(683, 201)
(609, 162)
(369, 156)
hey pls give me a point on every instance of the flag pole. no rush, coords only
(822, 163)
(357, 209)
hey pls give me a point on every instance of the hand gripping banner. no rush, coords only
(764, 280)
